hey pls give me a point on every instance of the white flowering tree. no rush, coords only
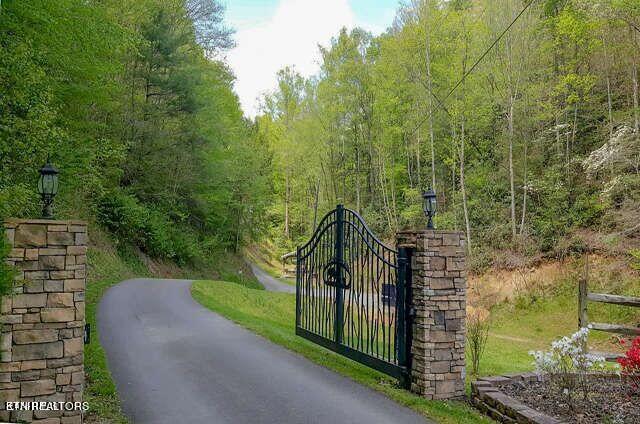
(568, 363)
(616, 166)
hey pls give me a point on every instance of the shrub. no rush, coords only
(6, 271)
(18, 200)
(630, 364)
(567, 363)
(148, 228)
(635, 258)
(477, 335)
(185, 246)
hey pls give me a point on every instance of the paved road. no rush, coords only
(270, 283)
(174, 361)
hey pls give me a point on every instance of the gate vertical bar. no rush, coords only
(339, 257)
(298, 286)
(401, 330)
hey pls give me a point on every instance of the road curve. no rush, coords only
(268, 282)
(175, 361)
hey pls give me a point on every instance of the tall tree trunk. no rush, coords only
(608, 80)
(636, 112)
(407, 147)
(358, 179)
(286, 205)
(430, 85)
(418, 160)
(558, 140)
(315, 206)
(454, 171)
(463, 189)
(511, 173)
(574, 130)
(524, 187)
(610, 107)
(634, 77)
(382, 178)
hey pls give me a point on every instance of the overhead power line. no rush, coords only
(475, 65)
(486, 52)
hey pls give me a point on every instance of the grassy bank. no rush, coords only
(528, 323)
(534, 319)
(272, 315)
(106, 268)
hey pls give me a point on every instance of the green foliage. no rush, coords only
(151, 230)
(107, 268)
(6, 272)
(635, 257)
(137, 110)
(510, 147)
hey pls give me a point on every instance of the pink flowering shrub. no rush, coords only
(630, 364)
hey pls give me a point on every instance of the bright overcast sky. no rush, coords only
(272, 34)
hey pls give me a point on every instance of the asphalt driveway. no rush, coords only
(268, 282)
(174, 361)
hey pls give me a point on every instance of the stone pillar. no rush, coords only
(438, 301)
(43, 322)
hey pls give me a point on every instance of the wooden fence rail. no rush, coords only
(584, 297)
(288, 264)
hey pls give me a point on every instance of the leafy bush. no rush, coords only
(149, 229)
(630, 364)
(185, 245)
(6, 272)
(477, 335)
(635, 258)
(18, 200)
(586, 210)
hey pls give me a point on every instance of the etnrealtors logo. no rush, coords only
(47, 406)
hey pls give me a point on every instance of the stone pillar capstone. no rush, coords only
(438, 304)
(42, 343)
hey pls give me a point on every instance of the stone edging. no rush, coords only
(12, 222)
(486, 395)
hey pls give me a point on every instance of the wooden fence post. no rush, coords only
(583, 319)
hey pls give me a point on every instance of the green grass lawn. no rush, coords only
(272, 315)
(530, 323)
(106, 268)
(533, 321)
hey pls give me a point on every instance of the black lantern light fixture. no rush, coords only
(48, 188)
(429, 206)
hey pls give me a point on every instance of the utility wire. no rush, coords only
(486, 52)
(475, 65)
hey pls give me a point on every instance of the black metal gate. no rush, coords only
(352, 294)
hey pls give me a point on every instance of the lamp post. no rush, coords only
(48, 188)
(429, 206)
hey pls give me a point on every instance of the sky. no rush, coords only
(272, 34)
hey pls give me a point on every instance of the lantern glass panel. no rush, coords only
(48, 184)
(429, 203)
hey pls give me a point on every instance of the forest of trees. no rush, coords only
(537, 142)
(526, 147)
(132, 100)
